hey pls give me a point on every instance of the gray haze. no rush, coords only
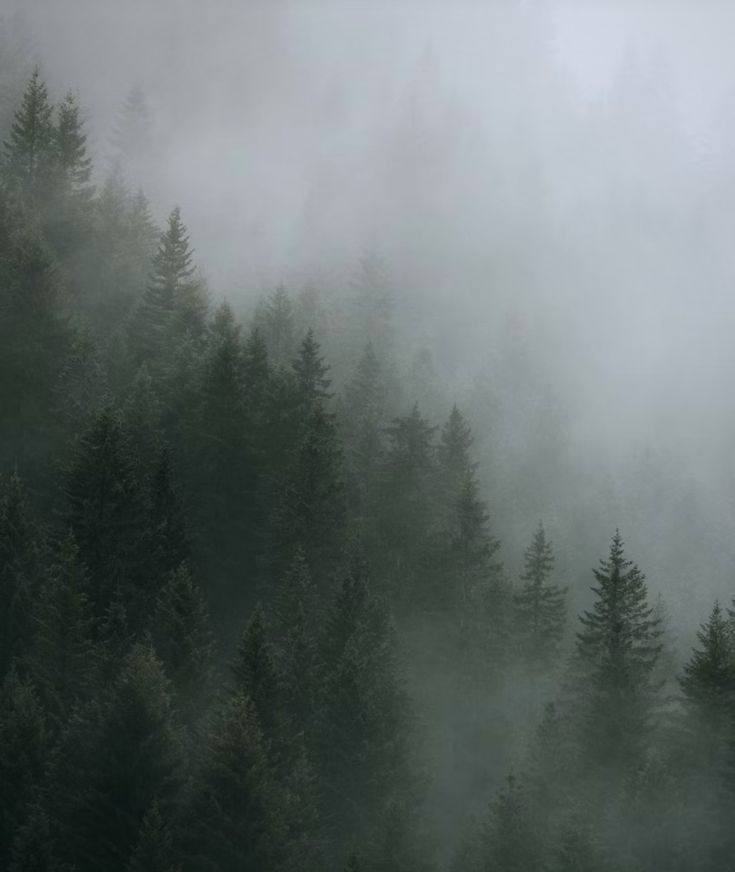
(550, 185)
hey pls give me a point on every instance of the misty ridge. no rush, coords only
(366, 436)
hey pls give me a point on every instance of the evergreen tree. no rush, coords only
(21, 553)
(276, 319)
(512, 846)
(118, 757)
(60, 655)
(29, 150)
(106, 512)
(234, 819)
(256, 371)
(540, 607)
(613, 666)
(155, 850)
(131, 135)
(454, 453)
(23, 750)
(256, 675)
(34, 848)
(168, 528)
(373, 300)
(312, 384)
(183, 639)
(70, 143)
(174, 306)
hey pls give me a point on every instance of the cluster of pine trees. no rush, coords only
(251, 617)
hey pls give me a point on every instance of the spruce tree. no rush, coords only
(613, 667)
(106, 512)
(131, 135)
(312, 384)
(234, 818)
(155, 850)
(119, 756)
(540, 607)
(512, 845)
(168, 528)
(60, 655)
(70, 147)
(29, 149)
(276, 319)
(21, 572)
(24, 747)
(183, 639)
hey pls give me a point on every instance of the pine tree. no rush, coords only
(297, 621)
(119, 756)
(708, 685)
(512, 846)
(613, 666)
(60, 655)
(256, 371)
(106, 512)
(21, 554)
(256, 675)
(275, 318)
(312, 509)
(540, 607)
(155, 849)
(454, 452)
(312, 383)
(173, 306)
(234, 819)
(183, 639)
(168, 528)
(23, 754)
(70, 146)
(29, 150)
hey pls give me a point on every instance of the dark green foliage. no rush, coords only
(23, 748)
(312, 384)
(60, 654)
(183, 639)
(21, 553)
(105, 508)
(511, 842)
(276, 320)
(168, 529)
(155, 849)
(29, 150)
(256, 675)
(614, 662)
(119, 756)
(70, 144)
(34, 848)
(540, 607)
(234, 819)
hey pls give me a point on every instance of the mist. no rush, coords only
(546, 190)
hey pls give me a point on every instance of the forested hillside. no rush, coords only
(255, 613)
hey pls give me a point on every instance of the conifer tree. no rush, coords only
(60, 655)
(168, 528)
(34, 848)
(106, 512)
(512, 845)
(183, 639)
(234, 819)
(23, 753)
(276, 319)
(708, 685)
(312, 384)
(154, 851)
(454, 452)
(540, 607)
(131, 135)
(373, 300)
(613, 666)
(21, 554)
(256, 371)
(173, 306)
(256, 675)
(70, 146)
(119, 756)
(29, 150)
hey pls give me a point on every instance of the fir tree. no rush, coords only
(183, 638)
(613, 666)
(29, 150)
(168, 528)
(512, 845)
(131, 135)
(70, 143)
(154, 851)
(60, 655)
(23, 753)
(275, 318)
(540, 607)
(118, 757)
(310, 370)
(21, 553)
(234, 819)
(106, 512)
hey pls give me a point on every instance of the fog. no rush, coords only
(550, 187)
